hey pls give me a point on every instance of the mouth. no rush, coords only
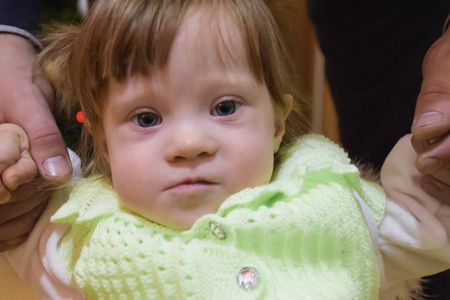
(190, 186)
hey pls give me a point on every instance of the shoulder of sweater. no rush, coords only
(87, 199)
(313, 152)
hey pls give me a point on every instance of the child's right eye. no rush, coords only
(147, 119)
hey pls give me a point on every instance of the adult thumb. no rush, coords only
(432, 115)
(47, 145)
(49, 152)
(25, 100)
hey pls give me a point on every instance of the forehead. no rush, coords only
(213, 33)
(138, 40)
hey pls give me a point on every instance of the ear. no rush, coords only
(281, 115)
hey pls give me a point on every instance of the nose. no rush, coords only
(190, 142)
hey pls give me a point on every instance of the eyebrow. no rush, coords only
(213, 82)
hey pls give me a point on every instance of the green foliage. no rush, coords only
(58, 12)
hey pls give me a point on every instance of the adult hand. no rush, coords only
(25, 100)
(16, 167)
(431, 124)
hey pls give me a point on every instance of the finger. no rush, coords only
(23, 200)
(16, 164)
(442, 175)
(20, 225)
(47, 145)
(432, 115)
(419, 145)
(12, 243)
(11, 144)
(435, 156)
(5, 195)
(436, 188)
(23, 171)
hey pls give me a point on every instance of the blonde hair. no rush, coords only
(120, 38)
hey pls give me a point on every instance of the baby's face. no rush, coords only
(185, 138)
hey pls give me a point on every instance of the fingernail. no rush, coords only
(56, 166)
(431, 165)
(427, 119)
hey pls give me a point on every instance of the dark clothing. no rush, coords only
(23, 14)
(373, 61)
(373, 57)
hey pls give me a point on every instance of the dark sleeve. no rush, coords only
(373, 61)
(23, 14)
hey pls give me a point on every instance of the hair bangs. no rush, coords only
(136, 36)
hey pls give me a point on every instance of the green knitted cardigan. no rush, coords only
(302, 236)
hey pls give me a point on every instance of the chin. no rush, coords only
(186, 221)
(177, 225)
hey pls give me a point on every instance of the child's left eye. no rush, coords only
(226, 108)
(147, 119)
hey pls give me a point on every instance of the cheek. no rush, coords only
(258, 156)
(130, 183)
(253, 161)
(120, 173)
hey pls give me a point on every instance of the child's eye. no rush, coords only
(226, 108)
(147, 119)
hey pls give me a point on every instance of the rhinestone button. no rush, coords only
(248, 278)
(217, 230)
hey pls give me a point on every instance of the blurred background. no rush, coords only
(300, 38)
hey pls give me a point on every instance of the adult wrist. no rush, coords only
(6, 29)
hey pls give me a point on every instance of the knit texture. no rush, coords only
(304, 233)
